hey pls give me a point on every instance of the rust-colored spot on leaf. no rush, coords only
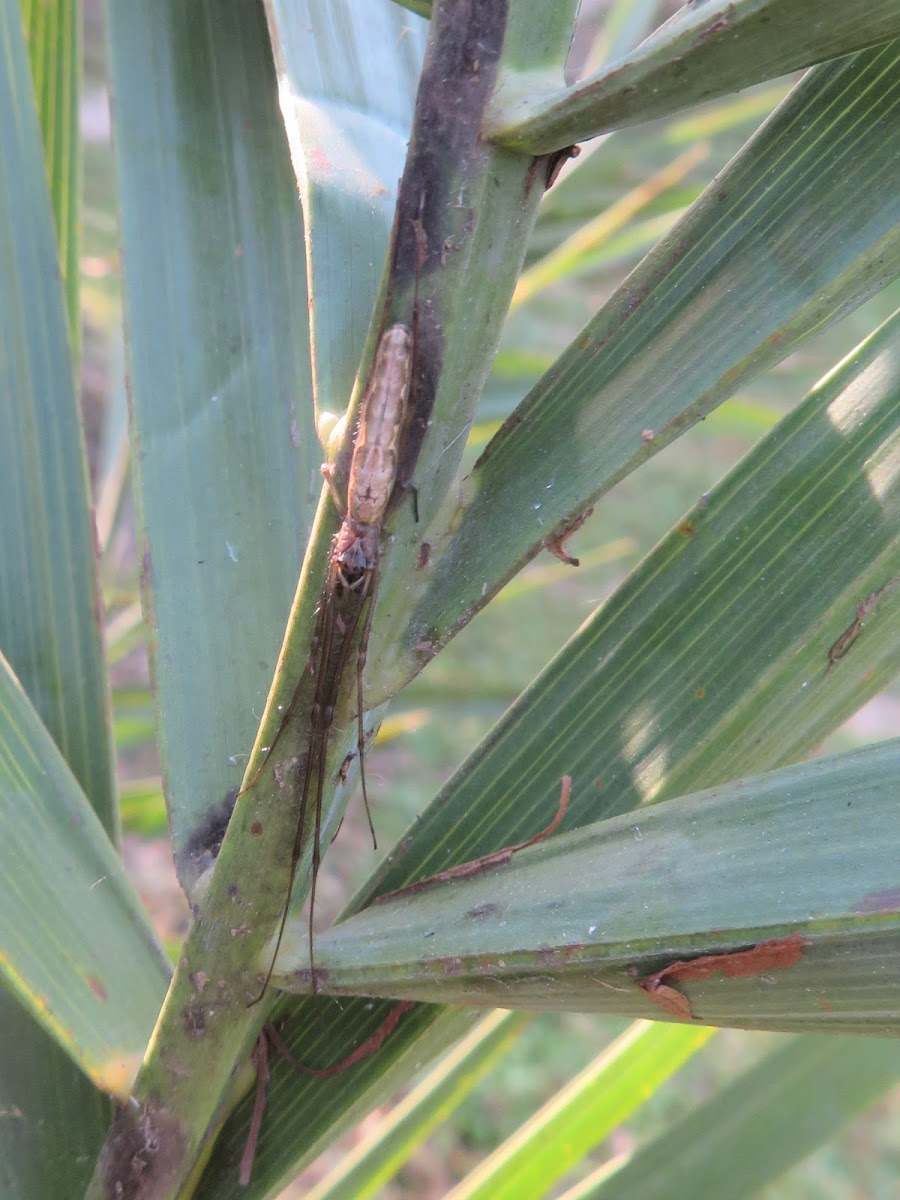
(885, 900)
(199, 980)
(256, 828)
(699, 693)
(767, 956)
(718, 26)
(96, 986)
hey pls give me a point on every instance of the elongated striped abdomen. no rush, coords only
(373, 468)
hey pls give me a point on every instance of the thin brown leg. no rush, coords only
(332, 487)
(360, 728)
(261, 1061)
(317, 851)
(372, 1043)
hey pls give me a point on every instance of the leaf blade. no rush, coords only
(347, 112)
(214, 277)
(78, 950)
(582, 1114)
(769, 1118)
(648, 366)
(701, 53)
(779, 855)
(48, 597)
(544, 735)
(53, 35)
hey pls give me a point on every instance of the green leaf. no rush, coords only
(53, 36)
(752, 1130)
(348, 128)
(364, 1170)
(704, 51)
(797, 231)
(718, 657)
(113, 473)
(77, 948)
(53, 1116)
(431, 291)
(48, 601)
(216, 312)
(584, 1113)
(624, 25)
(572, 923)
(48, 620)
(692, 674)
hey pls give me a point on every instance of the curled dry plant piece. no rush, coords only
(476, 865)
(758, 960)
(852, 632)
(556, 162)
(556, 543)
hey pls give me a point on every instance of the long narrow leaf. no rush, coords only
(583, 1114)
(800, 227)
(799, 863)
(347, 112)
(78, 950)
(48, 596)
(53, 36)
(225, 453)
(736, 646)
(48, 592)
(766, 1120)
(646, 702)
(703, 52)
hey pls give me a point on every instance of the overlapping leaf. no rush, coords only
(48, 596)
(717, 658)
(78, 950)
(703, 52)
(225, 452)
(785, 241)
